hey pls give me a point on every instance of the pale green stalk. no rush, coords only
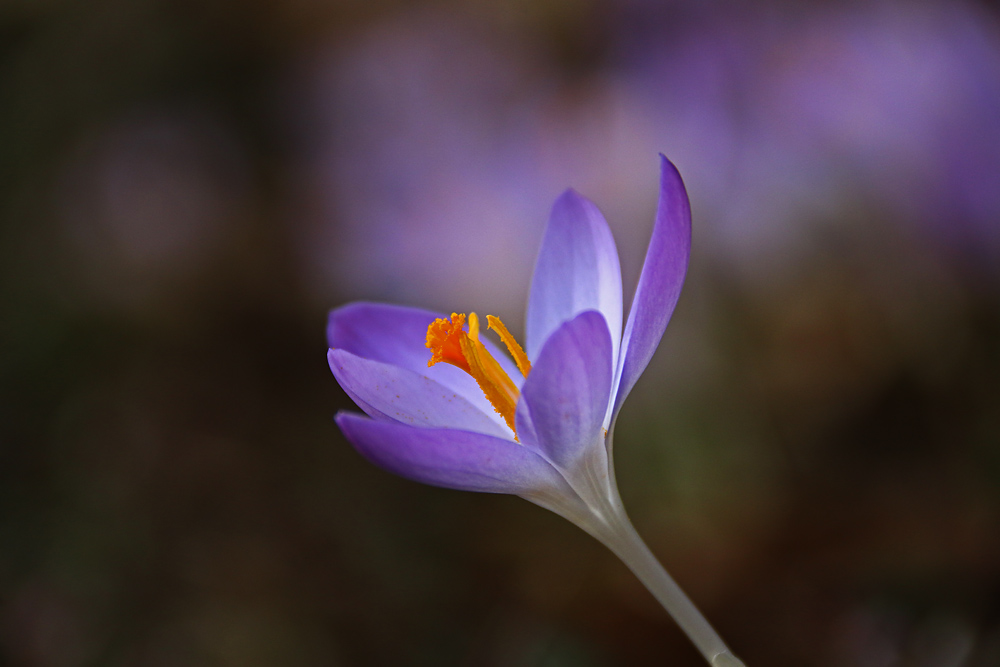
(597, 508)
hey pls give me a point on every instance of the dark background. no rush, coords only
(186, 188)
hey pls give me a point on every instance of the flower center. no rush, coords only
(449, 343)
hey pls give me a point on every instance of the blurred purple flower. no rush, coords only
(831, 118)
(550, 439)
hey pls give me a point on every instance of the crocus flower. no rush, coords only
(463, 415)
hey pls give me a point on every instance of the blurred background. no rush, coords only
(186, 188)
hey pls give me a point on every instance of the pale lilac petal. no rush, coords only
(451, 458)
(398, 394)
(659, 284)
(577, 270)
(565, 398)
(396, 335)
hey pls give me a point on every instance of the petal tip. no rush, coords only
(573, 210)
(668, 170)
(344, 419)
(335, 356)
(570, 197)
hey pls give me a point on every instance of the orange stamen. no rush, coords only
(443, 340)
(516, 351)
(450, 344)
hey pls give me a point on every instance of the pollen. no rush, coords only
(516, 351)
(449, 342)
(443, 339)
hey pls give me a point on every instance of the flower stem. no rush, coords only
(592, 502)
(626, 543)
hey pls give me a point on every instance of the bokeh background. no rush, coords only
(186, 188)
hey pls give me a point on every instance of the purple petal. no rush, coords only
(394, 393)
(577, 270)
(660, 282)
(565, 398)
(450, 458)
(396, 335)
